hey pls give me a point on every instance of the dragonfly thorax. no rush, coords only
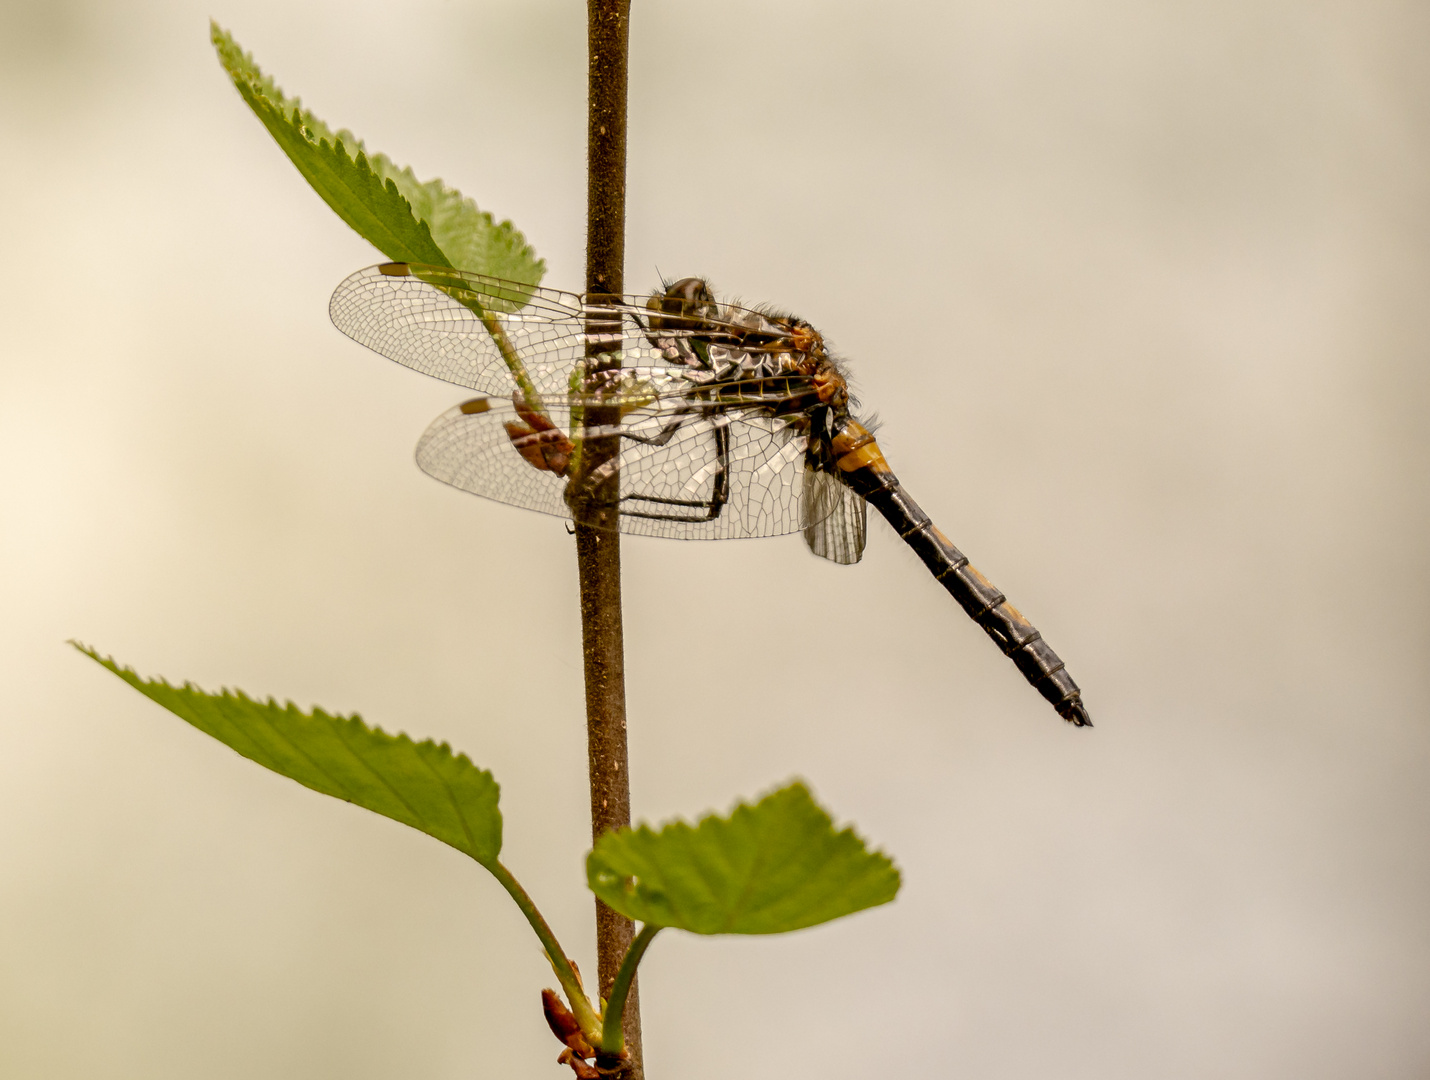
(688, 325)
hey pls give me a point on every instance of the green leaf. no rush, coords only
(422, 784)
(776, 866)
(408, 220)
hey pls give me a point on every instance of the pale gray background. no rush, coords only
(1140, 293)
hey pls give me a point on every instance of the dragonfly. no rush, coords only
(674, 415)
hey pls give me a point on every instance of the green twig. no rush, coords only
(565, 973)
(513, 360)
(442, 277)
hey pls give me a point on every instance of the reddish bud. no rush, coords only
(563, 1025)
(541, 443)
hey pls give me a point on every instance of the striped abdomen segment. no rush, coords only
(861, 465)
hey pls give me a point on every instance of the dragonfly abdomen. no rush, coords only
(861, 465)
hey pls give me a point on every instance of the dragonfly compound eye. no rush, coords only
(687, 304)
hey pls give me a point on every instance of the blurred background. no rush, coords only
(1139, 293)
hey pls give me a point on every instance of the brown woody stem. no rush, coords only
(598, 550)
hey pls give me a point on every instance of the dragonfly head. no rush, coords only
(687, 304)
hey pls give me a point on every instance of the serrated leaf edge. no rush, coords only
(342, 728)
(630, 886)
(244, 71)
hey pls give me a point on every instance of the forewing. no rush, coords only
(834, 518)
(498, 336)
(463, 328)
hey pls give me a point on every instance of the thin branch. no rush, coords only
(598, 551)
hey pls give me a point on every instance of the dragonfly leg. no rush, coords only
(664, 435)
(710, 508)
(610, 467)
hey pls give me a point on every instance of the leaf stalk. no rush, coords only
(565, 974)
(612, 1038)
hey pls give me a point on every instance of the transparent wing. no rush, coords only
(498, 336)
(454, 332)
(834, 518)
(684, 472)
